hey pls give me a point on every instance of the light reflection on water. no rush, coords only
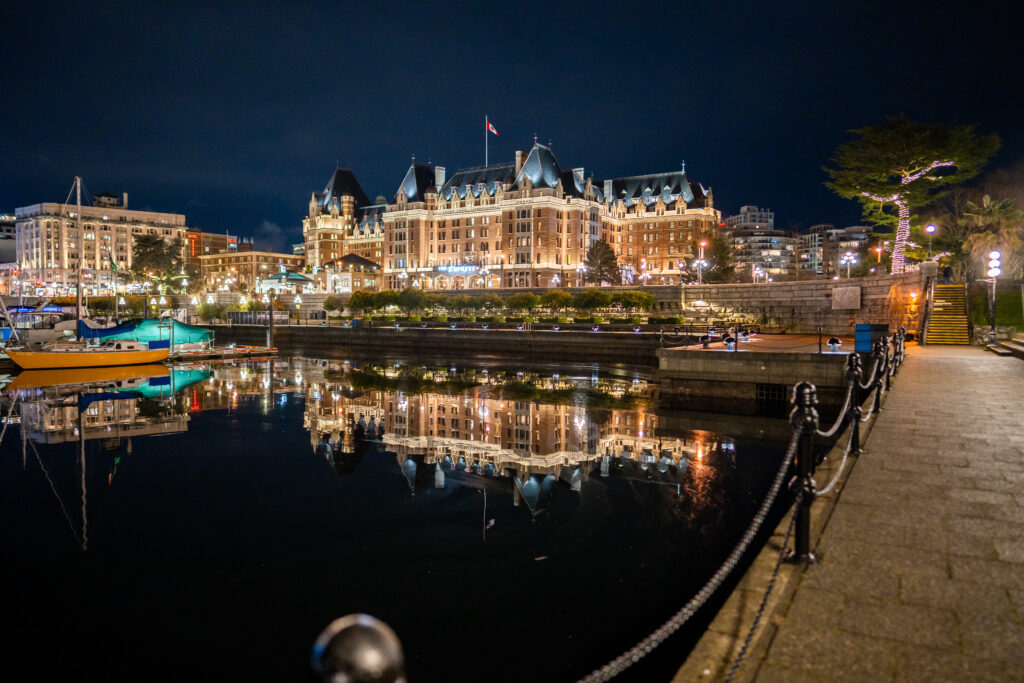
(518, 478)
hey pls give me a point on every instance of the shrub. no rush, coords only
(414, 318)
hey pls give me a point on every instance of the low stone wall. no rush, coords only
(805, 305)
(747, 382)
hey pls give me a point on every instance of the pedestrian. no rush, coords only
(947, 275)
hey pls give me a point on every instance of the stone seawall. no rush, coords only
(804, 306)
(638, 349)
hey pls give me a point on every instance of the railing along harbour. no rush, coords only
(348, 644)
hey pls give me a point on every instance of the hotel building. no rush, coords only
(47, 242)
(527, 223)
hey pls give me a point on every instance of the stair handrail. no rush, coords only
(929, 301)
(967, 312)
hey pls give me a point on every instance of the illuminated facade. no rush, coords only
(342, 221)
(48, 244)
(244, 269)
(527, 223)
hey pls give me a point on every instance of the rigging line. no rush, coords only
(14, 399)
(53, 488)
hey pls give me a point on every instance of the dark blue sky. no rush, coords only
(232, 113)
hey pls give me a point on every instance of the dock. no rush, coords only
(230, 352)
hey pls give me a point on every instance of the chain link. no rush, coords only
(841, 419)
(644, 647)
(839, 471)
(783, 551)
(659, 635)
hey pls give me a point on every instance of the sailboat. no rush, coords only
(79, 354)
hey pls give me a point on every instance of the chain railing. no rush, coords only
(343, 647)
(887, 355)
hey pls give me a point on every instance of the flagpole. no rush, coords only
(486, 141)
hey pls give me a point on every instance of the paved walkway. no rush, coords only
(921, 573)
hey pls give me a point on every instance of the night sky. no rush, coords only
(233, 113)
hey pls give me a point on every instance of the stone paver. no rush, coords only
(922, 562)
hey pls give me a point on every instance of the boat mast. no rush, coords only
(81, 247)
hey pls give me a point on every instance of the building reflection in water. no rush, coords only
(514, 429)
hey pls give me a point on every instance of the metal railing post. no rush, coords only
(854, 371)
(888, 361)
(876, 354)
(804, 419)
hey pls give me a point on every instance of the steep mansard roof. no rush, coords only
(343, 183)
(541, 167)
(474, 181)
(418, 179)
(670, 187)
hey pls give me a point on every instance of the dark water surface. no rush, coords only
(516, 524)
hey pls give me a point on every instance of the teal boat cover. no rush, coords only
(147, 330)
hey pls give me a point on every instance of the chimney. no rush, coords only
(608, 198)
(124, 200)
(519, 161)
(439, 177)
(578, 172)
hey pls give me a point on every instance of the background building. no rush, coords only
(822, 248)
(47, 243)
(199, 243)
(244, 270)
(758, 249)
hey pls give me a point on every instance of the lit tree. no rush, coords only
(895, 165)
(602, 266)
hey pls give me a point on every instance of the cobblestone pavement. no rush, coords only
(921, 572)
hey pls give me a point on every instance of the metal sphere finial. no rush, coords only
(358, 648)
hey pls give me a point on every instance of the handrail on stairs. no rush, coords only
(929, 301)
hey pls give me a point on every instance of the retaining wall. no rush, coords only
(798, 306)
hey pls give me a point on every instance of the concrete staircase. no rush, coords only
(1012, 347)
(948, 321)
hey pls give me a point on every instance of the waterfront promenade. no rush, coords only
(921, 572)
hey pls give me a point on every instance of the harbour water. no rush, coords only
(515, 523)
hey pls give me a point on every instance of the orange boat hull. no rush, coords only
(54, 360)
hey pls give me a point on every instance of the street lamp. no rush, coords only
(700, 263)
(930, 229)
(878, 250)
(994, 271)
(848, 260)
(209, 298)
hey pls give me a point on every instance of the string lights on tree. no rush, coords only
(894, 164)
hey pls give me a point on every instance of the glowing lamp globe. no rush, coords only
(994, 254)
(994, 272)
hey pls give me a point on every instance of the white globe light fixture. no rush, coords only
(994, 271)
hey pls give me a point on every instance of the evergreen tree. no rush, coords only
(894, 166)
(601, 264)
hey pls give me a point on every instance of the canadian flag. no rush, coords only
(491, 128)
